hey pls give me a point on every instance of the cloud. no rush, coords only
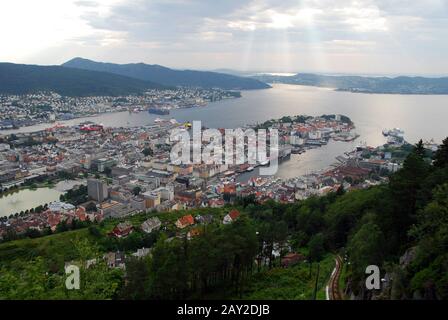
(248, 34)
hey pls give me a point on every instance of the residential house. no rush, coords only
(151, 224)
(122, 230)
(142, 252)
(115, 259)
(291, 259)
(231, 216)
(193, 233)
(205, 219)
(185, 221)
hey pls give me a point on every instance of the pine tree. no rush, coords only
(441, 155)
(419, 149)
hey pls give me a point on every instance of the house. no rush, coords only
(205, 219)
(53, 219)
(193, 233)
(122, 230)
(151, 224)
(142, 252)
(115, 259)
(231, 216)
(291, 259)
(185, 221)
(216, 203)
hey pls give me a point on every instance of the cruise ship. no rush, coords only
(395, 132)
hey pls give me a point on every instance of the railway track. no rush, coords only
(333, 291)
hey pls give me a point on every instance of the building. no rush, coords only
(185, 221)
(152, 199)
(193, 233)
(296, 140)
(58, 206)
(204, 219)
(142, 252)
(231, 216)
(103, 163)
(138, 203)
(291, 259)
(115, 259)
(122, 230)
(151, 224)
(97, 190)
(166, 193)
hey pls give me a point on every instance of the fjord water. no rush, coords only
(420, 116)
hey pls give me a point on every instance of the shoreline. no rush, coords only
(75, 118)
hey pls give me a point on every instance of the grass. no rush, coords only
(293, 283)
(56, 248)
(343, 278)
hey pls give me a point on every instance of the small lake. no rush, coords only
(27, 199)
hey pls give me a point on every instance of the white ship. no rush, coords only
(395, 132)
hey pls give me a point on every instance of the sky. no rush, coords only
(334, 36)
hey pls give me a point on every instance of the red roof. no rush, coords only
(186, 220)
(234, 214)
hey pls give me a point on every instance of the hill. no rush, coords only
(22, 79)
(170, 77)
(397, 85)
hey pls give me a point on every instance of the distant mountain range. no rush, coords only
(82, 77)
(170, 77)
(22, 79)
(397, 85)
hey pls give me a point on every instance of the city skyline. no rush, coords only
(355, 37)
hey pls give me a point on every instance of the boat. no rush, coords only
(264, 163)
(395, 132)
(229, 173)
(159, 111)
(250, 169)
(312, 142)
(242, 168)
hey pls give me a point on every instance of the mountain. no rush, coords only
(170, 77)
(398, 85)
(22, 79)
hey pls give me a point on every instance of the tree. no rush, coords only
(430, 268)
(340, 190)
(91, 207)
(107, 171)
(316, 247)
(365, 248)
(136, 191)
(137, 277)
(147, 152)
(32, 233)
(441, 155)
(404, 187)
(419, 149)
